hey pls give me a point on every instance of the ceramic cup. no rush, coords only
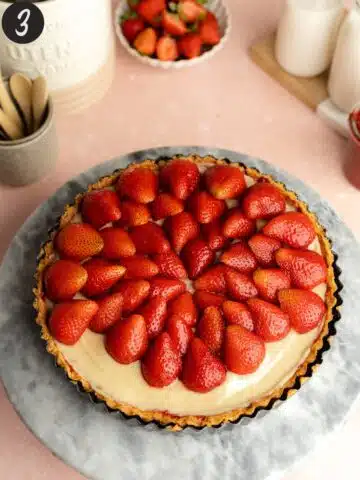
(28, 159)
(74, 52)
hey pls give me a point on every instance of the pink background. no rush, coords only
(228, 103)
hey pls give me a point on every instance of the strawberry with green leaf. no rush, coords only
(131, 25)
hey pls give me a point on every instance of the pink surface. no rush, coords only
(228, 103)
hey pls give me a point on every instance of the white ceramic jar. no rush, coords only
(307, 35)
(344, 80)
(74, 52)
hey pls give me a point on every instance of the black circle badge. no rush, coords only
(23, 22)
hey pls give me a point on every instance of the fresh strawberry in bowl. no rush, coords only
(172, 34)
(132, 25)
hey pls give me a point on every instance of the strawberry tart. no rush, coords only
(187, 291)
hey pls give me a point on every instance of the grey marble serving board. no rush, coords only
(105, 447)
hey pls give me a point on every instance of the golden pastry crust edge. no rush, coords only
(165, 419)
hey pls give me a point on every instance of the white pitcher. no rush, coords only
(307, 35)
(74, 52)
(344, 80)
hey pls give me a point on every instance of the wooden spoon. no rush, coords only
(3, 136)
(8, 105)
(40, 97)
(12, 130)
(21, 89)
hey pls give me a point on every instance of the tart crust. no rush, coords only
(166, 419)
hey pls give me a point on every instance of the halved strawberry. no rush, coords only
(190, 45)
(168, 288)
(139, 266)
(305, 309)
(237, 313)
(205, 299)
(134, 293)
(69, 320)
(166, 205)
(139, 183)
(170, 265)
(240, 257)
(78, 241)
(293, 228)
(271, 323)
(202, 371)
(181, 177)
(100, 207)
(211, 328)
(63, 279)
(145, 43)
(205, 207)
(180, 333)
(150, 9)
(127, 340)
(131, 27)
(154, 313)
(209, 30)
(167, 49)
(181, 229)
(225, 181)
(263, 200)
(172, 24)
(190, 11)
(117, 244)
(269, 281)
(102, 275)
(264, 249)
(149, 239)
(133, 214)
(161, 364)
(307, 269)
(183, 307)
(237, 225)
(196, 256)
(110, 310)
(239, 286)
(243, 350)
(213, 280)
(213, 235)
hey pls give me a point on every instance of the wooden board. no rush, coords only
(310, 91)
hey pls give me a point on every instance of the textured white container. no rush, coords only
(74, 50)
(344, 80)
(306, 36)
(217, 7)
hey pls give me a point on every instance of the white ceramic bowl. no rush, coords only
(217, 7)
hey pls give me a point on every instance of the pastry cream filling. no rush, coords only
(125, 383)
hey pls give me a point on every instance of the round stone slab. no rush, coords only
(103, 446)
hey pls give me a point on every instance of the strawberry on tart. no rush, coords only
(186, 292)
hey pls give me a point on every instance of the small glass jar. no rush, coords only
(306, 36)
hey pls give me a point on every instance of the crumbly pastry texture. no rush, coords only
(162, 418)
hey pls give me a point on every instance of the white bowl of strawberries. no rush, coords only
(172, 34)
